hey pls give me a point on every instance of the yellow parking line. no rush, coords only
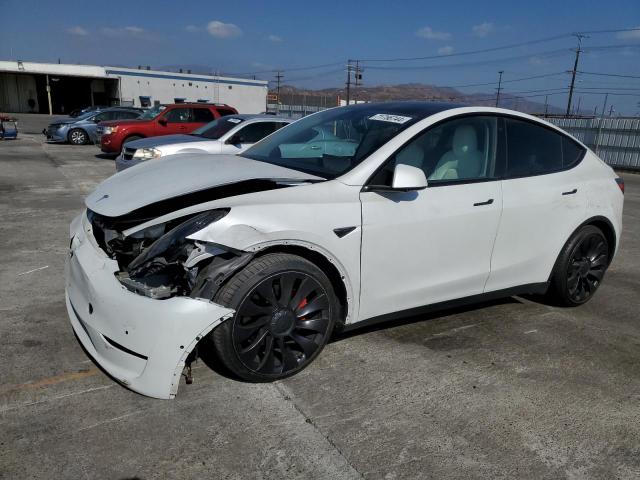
(45, 382)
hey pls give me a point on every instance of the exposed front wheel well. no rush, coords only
(329, 269)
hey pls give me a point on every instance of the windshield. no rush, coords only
(216, 129)
(151, 113)
(332, 142)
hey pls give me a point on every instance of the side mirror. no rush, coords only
(234, 139)
(163, 122)
(407, 178)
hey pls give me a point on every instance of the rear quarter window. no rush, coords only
(536, 150)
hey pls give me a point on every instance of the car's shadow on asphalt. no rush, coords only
(105, 156)
(418, 318)
(207, 355)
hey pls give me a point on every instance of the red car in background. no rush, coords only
(159, 120)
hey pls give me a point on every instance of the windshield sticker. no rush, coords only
(234, 120)
(385, 117)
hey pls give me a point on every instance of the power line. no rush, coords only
(608, 74)
(544, 54)
(508, 81)
(471, 52)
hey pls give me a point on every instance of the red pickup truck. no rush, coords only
(159, 120)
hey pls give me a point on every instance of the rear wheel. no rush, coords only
(285, 313)
(77, 136)
(580, 267)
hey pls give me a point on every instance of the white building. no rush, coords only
(59, 88)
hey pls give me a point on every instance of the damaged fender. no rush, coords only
(142, 342)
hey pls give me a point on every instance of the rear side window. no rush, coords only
(572, 153)
(535, 150)
(202, 115)
(121, 115)
(225, 111)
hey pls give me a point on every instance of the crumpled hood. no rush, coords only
(156, 180)
(164, 140)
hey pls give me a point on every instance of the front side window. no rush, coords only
(332, 142)
(462, 149)
(178, 115)
(254, 132)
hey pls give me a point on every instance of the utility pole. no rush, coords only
(546, 105)
(499, 87)
(611, 110)
(279, 77)
(574, 71)
(348, 81)
(358, 80)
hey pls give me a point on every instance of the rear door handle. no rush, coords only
(488, 202)
(571, 192)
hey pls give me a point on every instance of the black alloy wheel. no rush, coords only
(586, 267)
(580, 267)
(281, 323)
(285, 310)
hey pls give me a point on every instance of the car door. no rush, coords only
(178, 120)
(543, 203)
(432, 245)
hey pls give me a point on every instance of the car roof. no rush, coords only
(414, 109)
(258, 116)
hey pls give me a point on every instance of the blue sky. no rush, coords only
(257, 36)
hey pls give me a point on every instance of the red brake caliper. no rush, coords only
(303, 303)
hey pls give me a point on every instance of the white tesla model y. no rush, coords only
(349, 216)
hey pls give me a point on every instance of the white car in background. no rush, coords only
(346, 217)
(230, 134)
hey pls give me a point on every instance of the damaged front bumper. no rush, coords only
(142, 342)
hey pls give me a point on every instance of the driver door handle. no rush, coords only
(570, 192)
(488, 202)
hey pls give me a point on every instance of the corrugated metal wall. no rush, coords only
(615, 140)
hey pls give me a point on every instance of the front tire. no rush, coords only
(77, 136)
(285, 314)
(580, 267)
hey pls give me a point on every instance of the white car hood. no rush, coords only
(165, 178)
(164, 140)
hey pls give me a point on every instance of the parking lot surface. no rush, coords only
(509, 389)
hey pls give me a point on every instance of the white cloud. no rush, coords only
(537, 61)
(446, 50)
(77, 30)
(430, 34)
(274, 38)
(483, 29)
(223, 30)
(192, 28)
(630, 35)
(119, 32)
(134, 30)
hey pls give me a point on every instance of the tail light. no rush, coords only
(620, 183)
